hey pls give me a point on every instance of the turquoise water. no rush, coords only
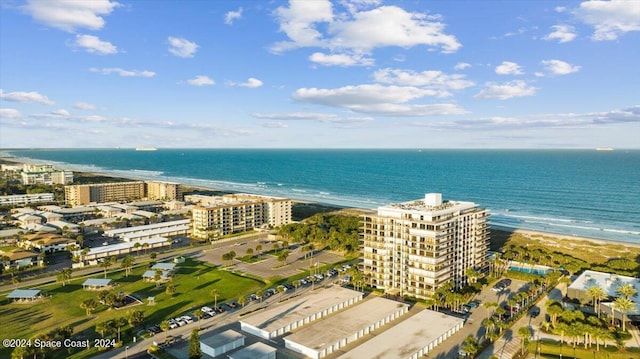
(536, 271)
(582, 192)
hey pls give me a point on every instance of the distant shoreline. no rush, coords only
(319, 207)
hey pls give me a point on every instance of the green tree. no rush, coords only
(89, 305)
(249, 251)
(106, 263)
(170, 290)
(194, 345)
(242, 300)
(624, 305)
(104, 328)
(127, 264)
(259, 248)
(282, 257)
(136, 318)
(597, 293)
(198, 313)
(470, 345)
(164, 326)
(215, 293)
(119, 323)
(63, 276)
(627, 291)
(524, 333)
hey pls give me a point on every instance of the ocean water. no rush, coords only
(574, 192)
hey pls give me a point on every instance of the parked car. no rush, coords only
(534, 312)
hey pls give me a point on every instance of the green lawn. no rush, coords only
(549, 349)
(193, 280)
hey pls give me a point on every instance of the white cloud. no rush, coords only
(391, 26)
(359, 32)
(552, 120)
(93, 44)
(10, 113)
(509, 68)
(201, 80)
(84, 106)
(182, 47)
(507, 90)
(461, 66)
(341, 59)
(61, 112)
(123, 72)
(377, 99)
(610, 19)
(354, 5)
(299, 20)
(557, 67)
(432, 79)
(232, 15)
(311, 116)
(252, 83)
(562, 33)
(274, 124)
(70, 15)
(25, 97)
(560, 9)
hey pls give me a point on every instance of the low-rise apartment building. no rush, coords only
(20, 199)
(76, 195)
(413, 248)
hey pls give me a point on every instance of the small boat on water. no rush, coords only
(144, 148)
(604, 149)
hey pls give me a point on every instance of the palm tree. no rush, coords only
(490, 306)
(119, 323)
(89, 305)
(554, 308)
(215, 293)
(525, 334)
(164, 326)
(597, 293)
(106, 263)
(198, 314)
(470, 345)
(242, 300)
(623, 305)
(627, 290)
(127, 264)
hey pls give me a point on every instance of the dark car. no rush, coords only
(534, 312)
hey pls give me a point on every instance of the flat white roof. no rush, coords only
(331, 329)
(256, 350)
(152, 274)
(115, 232)
(155, 232)
(96, 282)
(24, 293)
(292, 310)
(608, 282)
(164, 266)
(125, 245)
(219, 339)
(405, 338)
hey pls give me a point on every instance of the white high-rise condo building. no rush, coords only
(413, 248)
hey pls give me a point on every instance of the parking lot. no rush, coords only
(268, 266)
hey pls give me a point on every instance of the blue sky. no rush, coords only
(319, 73)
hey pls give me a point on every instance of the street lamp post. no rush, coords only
(126, 352)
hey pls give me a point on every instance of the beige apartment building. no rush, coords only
(237, 213)
(76, 195)
(413, 248)
(168, 191)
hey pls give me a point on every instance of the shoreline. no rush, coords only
(320, 207)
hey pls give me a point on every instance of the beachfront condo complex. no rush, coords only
(237, 213)
(413, 248)
(76, 195)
